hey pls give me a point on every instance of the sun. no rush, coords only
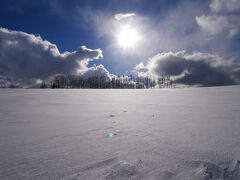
(128, 37)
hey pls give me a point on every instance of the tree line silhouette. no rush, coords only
(116, 82)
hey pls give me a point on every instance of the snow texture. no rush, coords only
(172, 134)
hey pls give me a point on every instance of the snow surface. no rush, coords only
(175, 134)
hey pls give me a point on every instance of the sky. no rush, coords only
(196, 42)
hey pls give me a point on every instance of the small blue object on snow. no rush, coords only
(110, 135)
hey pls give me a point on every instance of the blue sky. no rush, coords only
(64, 22)
(163, 25)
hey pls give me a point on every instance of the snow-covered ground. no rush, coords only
(162, 134)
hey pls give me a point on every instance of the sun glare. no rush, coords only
(128, 37)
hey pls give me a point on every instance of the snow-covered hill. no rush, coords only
(120, 134)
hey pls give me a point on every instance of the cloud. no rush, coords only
(96, 71)
(24, 55)
(140, 67)
(122, 16)
(141, 70)
(226, 21)
(215, 25)
(197, 68)
(225, 6)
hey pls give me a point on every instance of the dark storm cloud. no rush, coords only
(197, 68)
(25, 55)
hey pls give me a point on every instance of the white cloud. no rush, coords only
(123, 16)
(140, 67)
(24, 55)
(213, 24)
(219, 25)
(196, 68)
(225, 6)
(225, 21)
(96, 71)
(234, 31)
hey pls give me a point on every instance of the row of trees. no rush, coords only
(117, 82)
(96, 82)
